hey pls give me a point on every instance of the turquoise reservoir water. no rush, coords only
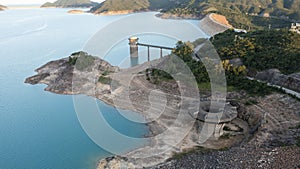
(39, 129)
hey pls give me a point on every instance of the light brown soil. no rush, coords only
(220, 19)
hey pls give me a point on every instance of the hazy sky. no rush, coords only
(11, 2)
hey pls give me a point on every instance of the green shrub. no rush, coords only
(72, 60)
(251, 102)
(298, 141)
(84, 61)
(104, 80)
(261, 50)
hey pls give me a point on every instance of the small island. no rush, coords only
(76, 11)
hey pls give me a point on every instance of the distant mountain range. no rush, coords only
(244, 14)
(233, 10)
(70, 4)
(240, 13)
(279, 8)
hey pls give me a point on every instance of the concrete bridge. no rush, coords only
(134, 48)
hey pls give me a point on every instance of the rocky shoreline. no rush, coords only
(62, 77)
(256, 135)
(123, 12)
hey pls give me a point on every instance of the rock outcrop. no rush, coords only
(115, 162)
(275, 77)
(122, 12)
(63, 77)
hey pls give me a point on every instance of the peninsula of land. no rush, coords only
(258, 118)
(254, 127)
(261, 124)
(64, 77)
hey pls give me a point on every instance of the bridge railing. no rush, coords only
(133, 42)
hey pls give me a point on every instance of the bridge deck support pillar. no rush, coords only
(134, 49)
(148, 54)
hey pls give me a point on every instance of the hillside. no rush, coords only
(267, 55)
(121, 5)
(240, 13)
(70, 4)
(135, 5)
(279, 8)
(245, 14)
(261, 50)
